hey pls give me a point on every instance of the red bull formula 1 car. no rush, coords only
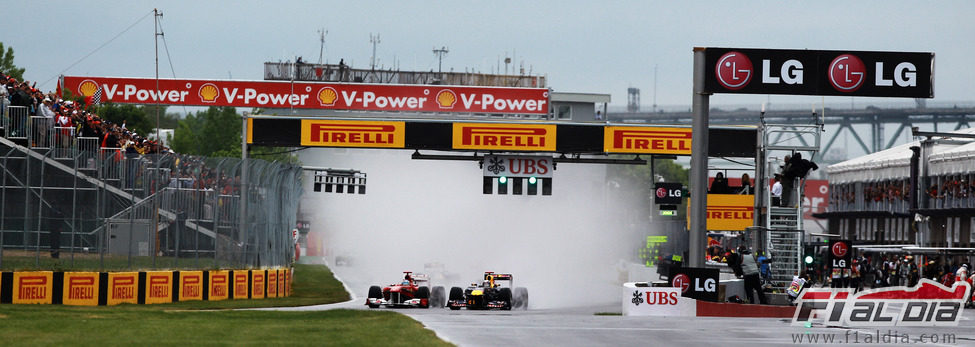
(489, 294)
(413, 291)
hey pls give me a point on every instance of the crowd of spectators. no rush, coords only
(888, 191)
(951, 188)
(75, 118)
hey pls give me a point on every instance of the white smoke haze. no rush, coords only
(565, 248)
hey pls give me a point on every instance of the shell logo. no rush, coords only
(327, 96)
(446, 98)
(87, 88)
(209, 93)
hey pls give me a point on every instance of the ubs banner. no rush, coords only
(644, 300)
(806, 72)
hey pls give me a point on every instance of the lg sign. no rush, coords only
(668, 193)
(802, 72)
(840, 255)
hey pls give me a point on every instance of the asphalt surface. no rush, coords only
(601, 325)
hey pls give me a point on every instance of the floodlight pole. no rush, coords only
(697, 240)
(243, 182)
(156, 14)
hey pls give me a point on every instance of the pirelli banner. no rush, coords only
(525, 136)
(152, 287)
(733, 212)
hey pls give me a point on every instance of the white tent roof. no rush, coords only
(895, 162)
(957, 160)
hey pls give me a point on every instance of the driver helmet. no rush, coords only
(406, 282)
(487, 284)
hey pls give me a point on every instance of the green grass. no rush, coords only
(58, 325)
(209, 323)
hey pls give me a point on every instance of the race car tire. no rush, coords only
(456, 294)
(520, 299)
(424, 293)
(505, 295)
(437, 297)
(375, 292)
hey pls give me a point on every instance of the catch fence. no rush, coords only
(67, 203)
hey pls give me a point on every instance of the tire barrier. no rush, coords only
(147, 287)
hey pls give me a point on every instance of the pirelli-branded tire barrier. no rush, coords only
(146, 287)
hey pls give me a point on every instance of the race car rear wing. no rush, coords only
(421, 278)
(491, 276)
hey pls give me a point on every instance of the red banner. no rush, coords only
(815, 197)
(331, 96)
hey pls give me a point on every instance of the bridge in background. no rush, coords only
(837, 122)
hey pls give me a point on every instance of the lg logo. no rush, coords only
(839, 249)
(846, 73)
(681, 281)
(734, 70)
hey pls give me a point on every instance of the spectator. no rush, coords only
(746, 185)
(719, 185)
(777, 191)
(44, 110)
(56, 241)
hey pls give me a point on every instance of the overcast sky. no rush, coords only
(581, 46)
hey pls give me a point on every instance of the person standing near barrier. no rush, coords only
(777, 191)
(44, 110)
(787, 182)
(749, 267)
(56, 242)
(4, 97)
(746, 185)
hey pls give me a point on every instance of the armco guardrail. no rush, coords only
(144, 287)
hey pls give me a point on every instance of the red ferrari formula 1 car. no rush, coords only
(413, 291)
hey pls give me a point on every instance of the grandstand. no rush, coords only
(912, 198)
(78, 188)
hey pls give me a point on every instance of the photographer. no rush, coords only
(794, 169)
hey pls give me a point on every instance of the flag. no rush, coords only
(97, 97)
(60, 95)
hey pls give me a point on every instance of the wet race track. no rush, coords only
(600, 325)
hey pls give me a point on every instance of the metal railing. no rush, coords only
(345, 73)
(15, 122)
(101, 208)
